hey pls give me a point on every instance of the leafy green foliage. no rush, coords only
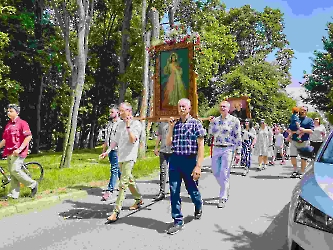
(258, 80)
(319, 83)
(9, 89)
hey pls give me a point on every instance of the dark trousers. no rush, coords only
(164, 165)
(316, 146)
(180, 168)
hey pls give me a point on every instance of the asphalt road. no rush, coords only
(255, 218)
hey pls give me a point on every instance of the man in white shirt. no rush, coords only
(226, 130)
(127, 139)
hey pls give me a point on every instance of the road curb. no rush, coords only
(40, 203)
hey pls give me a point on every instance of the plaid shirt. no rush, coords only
(185, 135)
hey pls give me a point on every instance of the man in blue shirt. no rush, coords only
(186, 136)
(306, 127)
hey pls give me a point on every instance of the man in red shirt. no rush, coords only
(16, 138)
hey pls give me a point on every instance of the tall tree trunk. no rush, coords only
(172, 10)
(38, 116)
(81, 69)
(154, 18)
(125, 46)
(143, 111)
(38, 79)
(85, 12)
(92, 134)
(68, 128)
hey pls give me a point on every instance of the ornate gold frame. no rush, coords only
(193, 97)
(245, 99)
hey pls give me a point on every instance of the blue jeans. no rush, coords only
(180, 168)
(115, 171)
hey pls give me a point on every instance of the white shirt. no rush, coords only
(226, 131)
(279, 140)
(127, 151)
(317, 136)
(247, 134)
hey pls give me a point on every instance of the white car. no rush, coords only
(310, 220)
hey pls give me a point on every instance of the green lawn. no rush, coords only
(86, 170)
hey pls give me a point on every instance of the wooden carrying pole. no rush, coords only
(164, 119)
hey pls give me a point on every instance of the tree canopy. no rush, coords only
(231, 61)
(319, 83)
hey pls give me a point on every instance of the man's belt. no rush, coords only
(223, 146)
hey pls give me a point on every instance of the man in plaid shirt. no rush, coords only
(186, 136)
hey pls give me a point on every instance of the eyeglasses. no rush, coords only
(316, 119)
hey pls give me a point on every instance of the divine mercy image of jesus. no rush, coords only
(174, 88)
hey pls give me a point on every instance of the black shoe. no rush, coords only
(197, 214)
(246, 171)
(221, 203)
(175, 229)
(159, 197)
(294, 175)
(34, 190)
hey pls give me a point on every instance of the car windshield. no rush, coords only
(327, 156)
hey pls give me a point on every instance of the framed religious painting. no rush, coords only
(174, 79)
(239, 107)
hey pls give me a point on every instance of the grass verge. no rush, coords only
(86, 171)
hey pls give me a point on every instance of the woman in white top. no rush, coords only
(248, 141)
(264, 141)
(318, 135)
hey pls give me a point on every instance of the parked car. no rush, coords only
(310, 220)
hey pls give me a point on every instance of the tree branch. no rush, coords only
(64, 26)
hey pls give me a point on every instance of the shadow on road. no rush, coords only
(96, 191)
(206, 169)
(149, 223)
(270, 177)
(148, 181)
(84, 210)
(274, 238)
(211, 201)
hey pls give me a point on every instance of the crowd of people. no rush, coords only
(180, 147)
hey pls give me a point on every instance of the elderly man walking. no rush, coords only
(127, 139)
(186, 136)
(227, 139)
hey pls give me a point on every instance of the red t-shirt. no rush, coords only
(14, 135)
